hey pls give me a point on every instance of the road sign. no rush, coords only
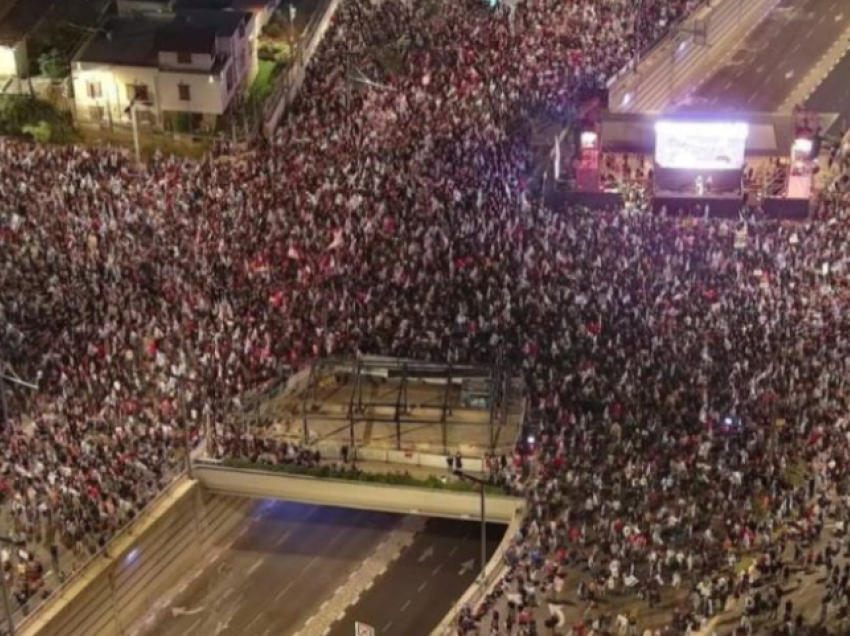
(362, 629)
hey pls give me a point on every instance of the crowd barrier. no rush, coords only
(681, 61)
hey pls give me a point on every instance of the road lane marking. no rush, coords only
(387, 626)
(422, 587)
(254, 567)
(436, 569)
(406, 605)
(192, 627)
(283, 591)
(283, 539)
(253, 620)
(310, 564)
(454, 549)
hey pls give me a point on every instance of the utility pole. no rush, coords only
(482, 483)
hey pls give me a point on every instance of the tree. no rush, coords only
(53, 65)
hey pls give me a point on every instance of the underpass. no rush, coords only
(295, 569)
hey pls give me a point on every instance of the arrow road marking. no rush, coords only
(182, 611)
(554, 610)
(466, 566)
(427, 554)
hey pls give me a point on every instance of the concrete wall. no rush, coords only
(151, 556)
(680, 63)
(350, 494)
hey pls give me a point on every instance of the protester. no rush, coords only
(682, 376)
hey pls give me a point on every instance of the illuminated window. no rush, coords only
(139, 92)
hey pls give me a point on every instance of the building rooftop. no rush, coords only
(137, 41)
(18, 18)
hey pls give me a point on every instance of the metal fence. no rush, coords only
(289, 81)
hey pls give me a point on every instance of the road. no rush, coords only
(277, 574)
(833, 94)
(413, 596)
(775, 57)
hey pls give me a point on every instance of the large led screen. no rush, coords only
(687, 145)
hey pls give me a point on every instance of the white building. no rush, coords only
(181, 70)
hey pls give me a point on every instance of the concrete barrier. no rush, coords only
(152, 555)
(681, 62)
(351, 494)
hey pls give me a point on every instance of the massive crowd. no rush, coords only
(697, 362)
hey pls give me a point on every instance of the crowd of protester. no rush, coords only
(680, 373)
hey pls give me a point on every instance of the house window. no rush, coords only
(138, 92)
(94, 90)
(185, 92)
(184, 57)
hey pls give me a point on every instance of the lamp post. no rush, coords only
(482, 483)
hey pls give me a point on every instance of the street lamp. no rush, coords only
(482, 483)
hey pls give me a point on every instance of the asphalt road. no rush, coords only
(277, 574)
(833, 94)
(763, 72)
(423, 584)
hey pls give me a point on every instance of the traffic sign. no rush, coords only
(362, 629)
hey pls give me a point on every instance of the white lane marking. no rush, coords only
(192, 627)
(253, 620)
(254, 567)
(437, 569)
(405, 606)
(422, 587)
(283, 591)
(387, 626)
(310, 564)
(336, 537)
(283, 539)
(454, 549)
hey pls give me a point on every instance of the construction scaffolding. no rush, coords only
(395, 404)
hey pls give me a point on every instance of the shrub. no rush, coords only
(53, 65)
(22, 115)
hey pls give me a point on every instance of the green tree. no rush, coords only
(52, 64)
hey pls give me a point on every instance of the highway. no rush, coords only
(833, 94)
(413, 596)
(284, 565)
(294, 569)
(761, 74)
